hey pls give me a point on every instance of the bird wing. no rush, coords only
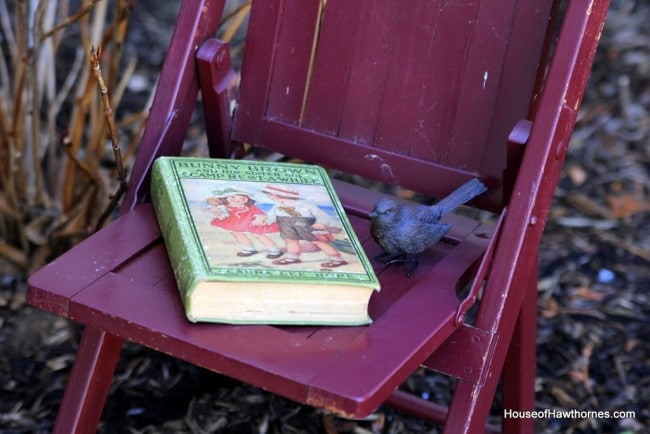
(425, 237)
(421, 231)
(428, 215)
(435, 232)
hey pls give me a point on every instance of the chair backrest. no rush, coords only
(419, 94)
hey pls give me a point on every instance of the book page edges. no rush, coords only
(270, 303)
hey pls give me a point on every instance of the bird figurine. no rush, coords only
(403, 231)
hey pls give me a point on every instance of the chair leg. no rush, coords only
(89, 383)
(513, 359)
(519, 368)
(469, 408)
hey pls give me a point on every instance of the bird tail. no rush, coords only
(461, 195)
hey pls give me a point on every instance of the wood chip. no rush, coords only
(626, 205)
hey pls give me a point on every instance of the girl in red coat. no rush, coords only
(234, 211)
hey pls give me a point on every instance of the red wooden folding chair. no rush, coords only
(423, 96)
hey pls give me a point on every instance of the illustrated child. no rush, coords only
(298, 220)
(234, 211)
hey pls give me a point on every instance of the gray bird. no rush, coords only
(403, 232)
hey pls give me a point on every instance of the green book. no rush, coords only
(256, 242)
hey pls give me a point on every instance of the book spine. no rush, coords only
(175, 228)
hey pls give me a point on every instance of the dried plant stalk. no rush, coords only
(71, 20)
(110, 123)
(238, 16)
(38, 194)
(54, 126)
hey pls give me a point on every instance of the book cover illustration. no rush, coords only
(272, 226)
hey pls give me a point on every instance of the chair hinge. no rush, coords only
(483, 268)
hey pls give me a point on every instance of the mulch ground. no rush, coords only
(594, 313)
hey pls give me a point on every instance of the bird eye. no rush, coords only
(384, 208)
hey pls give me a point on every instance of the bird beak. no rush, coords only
(372, 215)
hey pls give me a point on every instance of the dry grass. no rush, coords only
(53, 141)
(57, 161)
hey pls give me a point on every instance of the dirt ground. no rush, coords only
(594, 313)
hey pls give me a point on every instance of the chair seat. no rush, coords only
(120, 280)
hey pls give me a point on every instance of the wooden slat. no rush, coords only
(427, 70)
(480, 81)
(53, 286)
(409, 109)
(292, 61)
(373, 48)
(423, 176)
(256, 68)
(520, 64)
(332, 67)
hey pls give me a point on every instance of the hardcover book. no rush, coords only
(260, 242)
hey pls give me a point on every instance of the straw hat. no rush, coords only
(281, 191)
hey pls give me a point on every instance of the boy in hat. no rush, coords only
(298, 220)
